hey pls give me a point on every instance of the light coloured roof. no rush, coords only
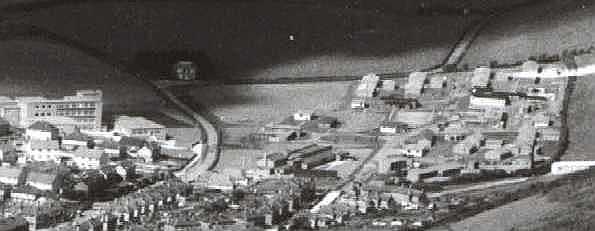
(44, 144)
(136, 122)
(41, 178)
(10, 172)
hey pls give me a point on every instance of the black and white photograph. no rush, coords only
(297, 115)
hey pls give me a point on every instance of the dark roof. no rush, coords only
(131, 141)
(42, 126)
(13, 223)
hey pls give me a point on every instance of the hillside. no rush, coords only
(31, 67)
(548, 28)
(251, 39)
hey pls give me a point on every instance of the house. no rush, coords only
(438, 81)
(326, 122)
(389, 127)
(497, 154)
(9, 175)
(42, 150)
(86, 158)
(541, 120)
(272, 160)
(42, 130)
(415, 83)
(445, 169)
(414, 150)
(358, 103)
(144, 153)
(303, 115)
(367, 86)
(379, 192)
(481, 77)
(549, 134)
(469, 145)
(139, 127)
(392, 164)
(42, 181)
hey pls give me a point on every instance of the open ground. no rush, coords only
(545, 28)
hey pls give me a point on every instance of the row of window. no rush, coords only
(76, 113)
(43, 114)
(146, 131)
(76, 105)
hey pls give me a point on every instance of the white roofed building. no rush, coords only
(139, 127)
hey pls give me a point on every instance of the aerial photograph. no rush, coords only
(274, 115)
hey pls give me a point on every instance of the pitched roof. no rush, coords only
(42, 126)
(136, 122)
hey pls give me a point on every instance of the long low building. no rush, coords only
(567, 167)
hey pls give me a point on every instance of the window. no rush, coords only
(49, 114)
(37, 106)
(36, 114)
(42, 106)
(49, 106)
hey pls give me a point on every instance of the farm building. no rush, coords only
(303, 115)
(469, 145)
(417, 150)
(9, 175)
(481, 77)
(415, 83)
(418, 174)
(487, 103)
(4, 127)
(139, 127)
(390, 127)
(367, 86)
(414, 118)
(566, 167)
(358, 103)
(497, 154)
(392, 164)
(388, 85)
(549, 134)
(310, 156)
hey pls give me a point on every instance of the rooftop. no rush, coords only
(42, 126)
(10, 172)
(41, 178)
(44, 144)
(136, 122)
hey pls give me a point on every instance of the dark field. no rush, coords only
(38, 68)
(251, 39)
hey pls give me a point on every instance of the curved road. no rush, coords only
(203, 161)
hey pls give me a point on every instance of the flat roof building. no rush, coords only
(82, 110)
(139, 127)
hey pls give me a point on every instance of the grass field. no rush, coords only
(39, 68)
(581, 109)
(509, 216)
(252, 38)
(549, 28)
(267, 103)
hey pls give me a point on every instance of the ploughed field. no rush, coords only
(38, 68)
(240, 39)
(545, 28)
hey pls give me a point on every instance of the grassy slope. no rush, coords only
(251, 39)
(581, 109)
(40, 68)
(530, 31)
